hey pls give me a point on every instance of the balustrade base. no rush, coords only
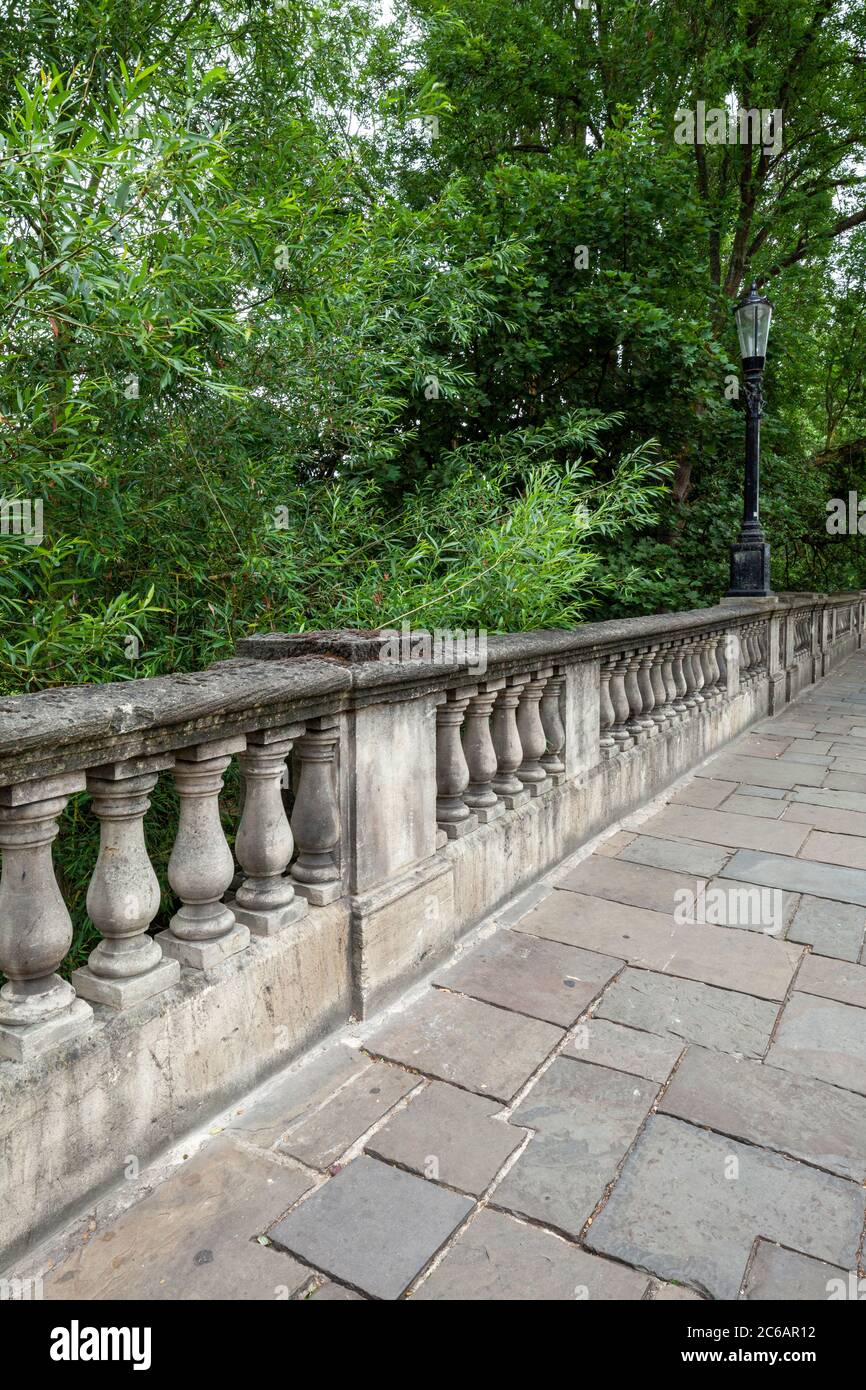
(122, 994)
(320, 894)
(204, 955)
(485, 814)
(454, 830)
(511, 800)
(35, 1039)
(274, 920)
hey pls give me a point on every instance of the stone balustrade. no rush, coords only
(388, 805)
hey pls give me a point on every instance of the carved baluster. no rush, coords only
(680, 683)
(554, 729)
(620, 701)
(745, 654)
(645, 685)
(316, 814)
(123, 897)
(698, 670)
(532, 737)
(661, 710)
(668, 685)
(506, 741)
(635, 698)
(606, 711)
(722, 663)
(692, 698)
(38, 1010)
(452, 774)
(480, 754)
(266, 901)
(203, 931)
(704, 656)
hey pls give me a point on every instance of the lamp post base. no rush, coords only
(750, 570)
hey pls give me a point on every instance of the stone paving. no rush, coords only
(652, 1085)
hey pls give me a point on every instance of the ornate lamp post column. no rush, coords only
(750, 555)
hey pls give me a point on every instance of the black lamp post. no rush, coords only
(750, 556)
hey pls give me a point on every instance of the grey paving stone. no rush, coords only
(826, 818)
(657, 942)
(298, 1093)
(372, 1226)
(704, 791)
(675, 1212)
(321, 1138)
(679, 855)
(694, 1012)
(639, 885)
(831, 929)
(848, 764)
(845, 782)
(786, 1276)
(849, 851)
(760, 806)
(676, 1293)
(497, 1258)
(816, 759)
(822, 796)
(766, 772)
(334, 1293)
(834, 980)
(750, 907)
(756, 745)
(822, 1038)
(810, 745)
(193, 1237)
(545, 979)
(798, 875)
(767, 793)
(624, 1049)
(466, 1042)
(449, 1136)
(586, 1117)
(724, 828)
(615, 843)
(765, 1105)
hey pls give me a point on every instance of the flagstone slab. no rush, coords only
(676, 1293)
(769, 772)
(822, 1038)
(704, 791)
(691, 1011)
(323, 1137)
(624, 1049)
(534, 976)
(786, 1276)
(798, 875)
(466, 1042)
(754, 745)
(586, 1117)
(831, 929)
(640, 885)
(834, 980)
(755, 806)
(826, 818)
(654, 941)
(809, 745)
(764, 1105)
(193, 1237)
(824, 796)
(498, 1258)
(678, 1211)
(450, 1136)
(849, 764)
(679, 855)
(372, 1226)
(334, 1293)
(845, 782)
(725, 828)
(772, 793)
(754, 908)
(299, 1092)
(846, 850)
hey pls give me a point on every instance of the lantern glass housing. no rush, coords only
(753, 316)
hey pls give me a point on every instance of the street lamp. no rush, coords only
(750, 556)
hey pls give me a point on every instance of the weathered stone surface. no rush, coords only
(847, 850)
(676, 1293)
(724, 828)
(298, 1093)
(585, 1117)
(766, 910)
(822, 1038)
(675, 1211)
(704, 791)
(766, 772)
(679, 855)
(498, 1258)
(640, 885)
(653, 941)
(466, 1042)
(833, 979)
(542, 978)
(786, 1276)
(831, 929)
(826, 818)
(615, 843)
(450, 1136)
(372, 1226)
(323, 1137)
(765, 1105)
(334, 1293)
(809, 745)
(835, 800)
(799, 875)
(765, 793)
(193, 1237)
(845, 782)
(624, 1049)
(764, 807)
(760, 746)
(687, 1009)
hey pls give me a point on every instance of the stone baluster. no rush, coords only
(708, 667)
(635, 698)
(316, 813)
(38, 1010)
(680, 683)
(606, 711)
(722, 663)
(698, 670)
(645, 685)
(480, 754)
(533, 740)
(667, 682)
(203, 931)
(123, 895)
(661, 710)
(506, 741)
(452, 773)
(554, 728)
(266, 901)
(691, 695)
(746, 654)
(619, 699)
